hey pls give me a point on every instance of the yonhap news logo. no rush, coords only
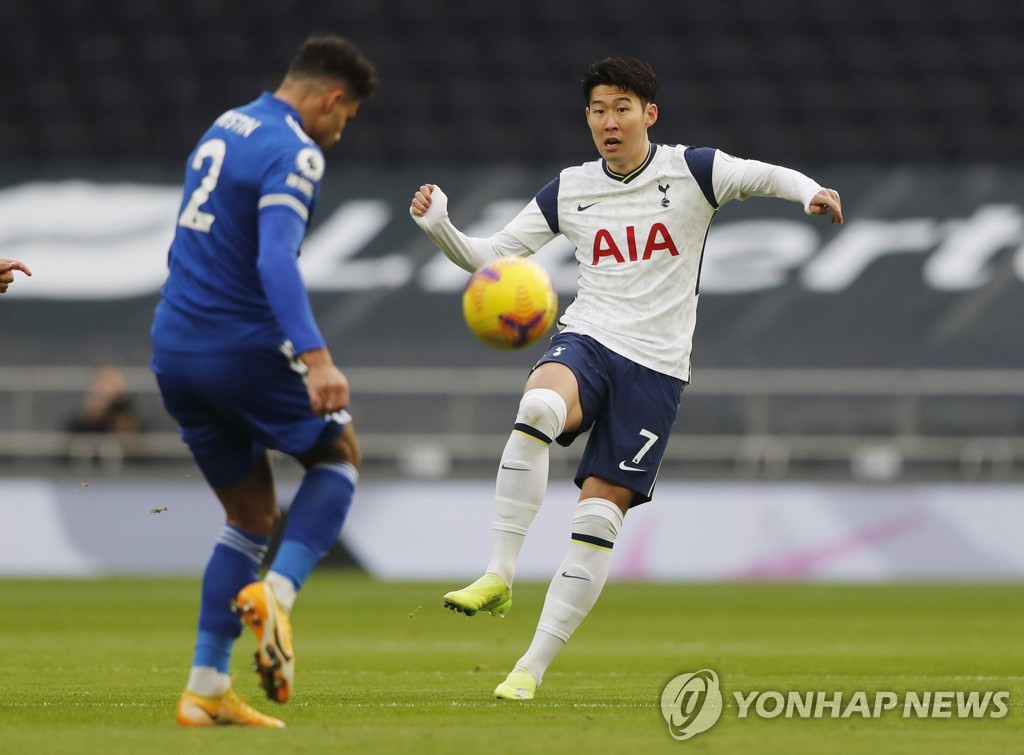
(692, 702)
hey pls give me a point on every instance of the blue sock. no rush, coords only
(315, 519)
(235, 563)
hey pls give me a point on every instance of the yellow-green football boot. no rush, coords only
(489, 594)
(518, 685)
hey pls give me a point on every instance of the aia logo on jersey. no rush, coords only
(658, 240)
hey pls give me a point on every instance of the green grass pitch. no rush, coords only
(97, 666)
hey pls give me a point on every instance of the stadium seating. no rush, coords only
(135, 80)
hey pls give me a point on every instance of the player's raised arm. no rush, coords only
(737, 178)
(429, 209)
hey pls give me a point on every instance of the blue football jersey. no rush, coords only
(253, 159)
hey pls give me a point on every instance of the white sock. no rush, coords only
(577, 584)
(523, 477)
(208, 681)
(284, 590)
(518, 493)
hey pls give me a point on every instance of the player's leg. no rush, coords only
(314, 522)
(252, 515)
(278, 413)
(619, 468)
(550, 406)
(251, 512)
(317, 513)
(239, 472)
(576, 585)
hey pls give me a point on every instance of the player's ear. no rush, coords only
(334, 95)
(652, 114)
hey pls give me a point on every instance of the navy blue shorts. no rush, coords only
(231, 408)
(629, 409)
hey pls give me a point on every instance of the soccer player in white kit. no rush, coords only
(638, 217)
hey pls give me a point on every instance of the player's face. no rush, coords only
(618, 122)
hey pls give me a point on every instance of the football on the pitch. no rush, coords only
(509, 303)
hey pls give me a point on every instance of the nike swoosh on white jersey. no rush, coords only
(626, 468)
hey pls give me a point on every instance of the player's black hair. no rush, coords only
(629, 74)
(334, 57)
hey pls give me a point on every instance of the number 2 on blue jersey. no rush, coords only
(192, 216)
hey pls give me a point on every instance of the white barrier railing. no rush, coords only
(871, 423)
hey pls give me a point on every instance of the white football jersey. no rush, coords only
(639, 242)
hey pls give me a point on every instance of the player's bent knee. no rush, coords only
(345, 447)
(544, 410)
(598, 518)
(251, 504)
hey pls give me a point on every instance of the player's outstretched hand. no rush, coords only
(7, 268)
(826, 201)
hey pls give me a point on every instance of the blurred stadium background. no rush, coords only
(866, 363)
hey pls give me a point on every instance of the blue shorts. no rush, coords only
(629, 409)
(232, 407)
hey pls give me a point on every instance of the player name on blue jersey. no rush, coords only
(237, 122)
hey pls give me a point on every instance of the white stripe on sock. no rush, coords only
(235, 540)
(343, 468)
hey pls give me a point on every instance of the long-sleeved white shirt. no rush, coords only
(639, 242)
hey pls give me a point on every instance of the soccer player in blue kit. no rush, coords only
(243, 368)
(638, 218)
